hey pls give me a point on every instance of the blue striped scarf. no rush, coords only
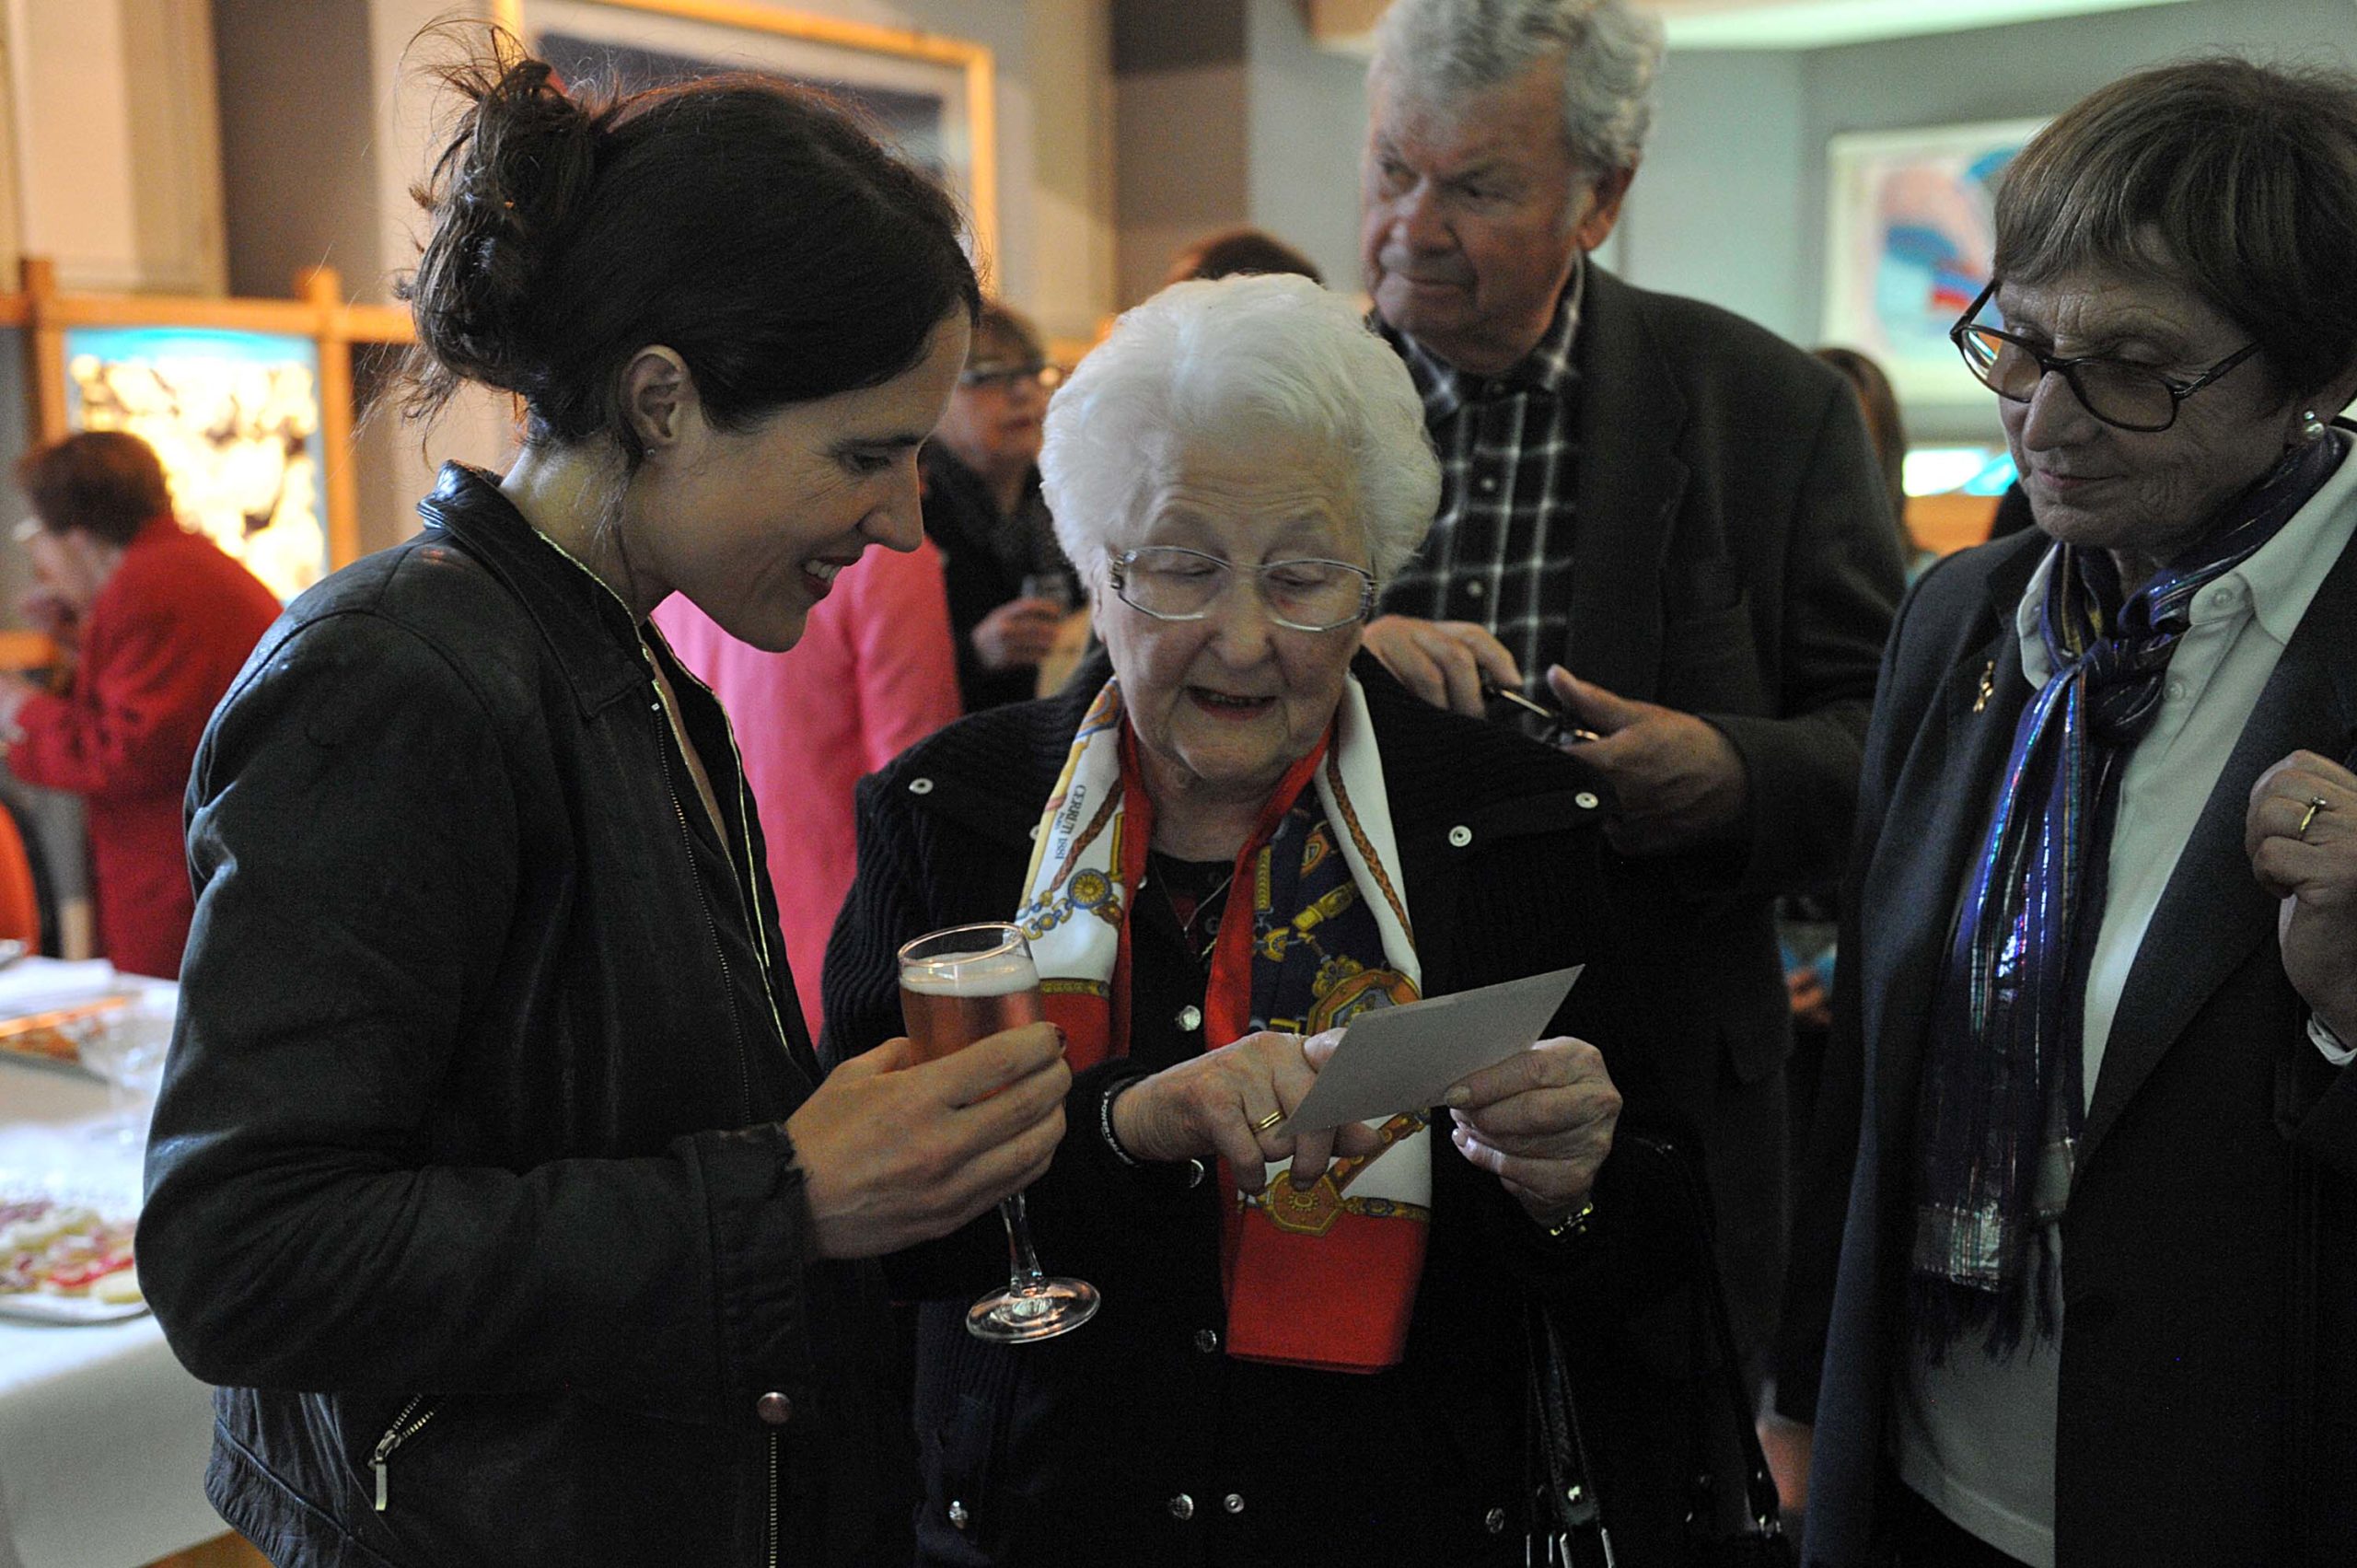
(2003, 1097)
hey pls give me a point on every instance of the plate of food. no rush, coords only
(63, 1260)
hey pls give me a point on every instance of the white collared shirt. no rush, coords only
(1976, 1437)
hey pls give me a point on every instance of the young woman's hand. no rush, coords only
(894, 1153)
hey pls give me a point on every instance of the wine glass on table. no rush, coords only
(957, 986)
(125, 1046)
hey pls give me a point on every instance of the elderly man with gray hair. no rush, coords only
(1657, 517)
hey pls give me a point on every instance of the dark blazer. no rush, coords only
(1736, 560)
(2207, 1404)
(1093, 1437)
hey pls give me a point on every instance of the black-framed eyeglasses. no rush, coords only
(2129, 396)
(1172, 583)
(1004, 378)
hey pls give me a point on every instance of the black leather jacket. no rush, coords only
(467, 1179)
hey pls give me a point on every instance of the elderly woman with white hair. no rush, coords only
(1247, 832)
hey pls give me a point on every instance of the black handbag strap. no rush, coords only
(1714, 1343)
(1566, 1527)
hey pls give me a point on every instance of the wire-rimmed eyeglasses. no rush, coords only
(2129, 396)
(1174, 583)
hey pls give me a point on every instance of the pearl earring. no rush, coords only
(2311, 427)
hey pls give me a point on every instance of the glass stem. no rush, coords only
(1022, 1262)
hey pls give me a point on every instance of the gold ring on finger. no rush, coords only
(2315, 803)
(1268, 1122)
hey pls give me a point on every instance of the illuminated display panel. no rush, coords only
(235, 417)
(1910, 224)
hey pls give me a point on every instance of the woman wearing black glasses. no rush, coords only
(1010, 587)
(2093, 1301)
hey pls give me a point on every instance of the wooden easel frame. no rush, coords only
(319, 313)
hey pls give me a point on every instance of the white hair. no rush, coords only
(1225, 360)
(1437, 51)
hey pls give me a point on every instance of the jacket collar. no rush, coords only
(1629, 480)
(2213, 912)
(1939, 804)
(589, 631)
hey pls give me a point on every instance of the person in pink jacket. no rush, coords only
(876, 671)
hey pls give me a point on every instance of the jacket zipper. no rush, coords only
(761, 945)
(399, 1432)
(744, 1071)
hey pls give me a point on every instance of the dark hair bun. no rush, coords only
(502, 196)
(756, 228)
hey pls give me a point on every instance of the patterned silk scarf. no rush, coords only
(1326, 1276)
(2003, 1095)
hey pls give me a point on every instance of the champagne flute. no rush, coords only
(126, 1048)
(955, 987)
(1053, 586)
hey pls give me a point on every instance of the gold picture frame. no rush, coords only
(848, 54)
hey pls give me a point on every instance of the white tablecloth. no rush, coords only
(103, 1437)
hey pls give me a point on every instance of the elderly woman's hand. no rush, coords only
(1212, 1106)
(2308, 858)
(1541, 1122)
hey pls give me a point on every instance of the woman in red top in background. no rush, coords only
(157, 621)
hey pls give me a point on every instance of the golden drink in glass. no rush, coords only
(957, 986)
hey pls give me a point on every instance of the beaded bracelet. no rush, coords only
(1105, 1125)
(1196, 1170)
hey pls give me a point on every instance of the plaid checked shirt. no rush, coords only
(1499, 552)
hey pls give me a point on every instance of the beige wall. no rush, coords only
(1184, 166)
(330, 129)
(1233, 116)
(114, 168)
(1062, 109)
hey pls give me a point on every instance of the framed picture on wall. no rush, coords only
(234, 416)
(932, 94)
(1909, 230)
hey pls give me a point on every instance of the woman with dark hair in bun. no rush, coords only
(494, 1177)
